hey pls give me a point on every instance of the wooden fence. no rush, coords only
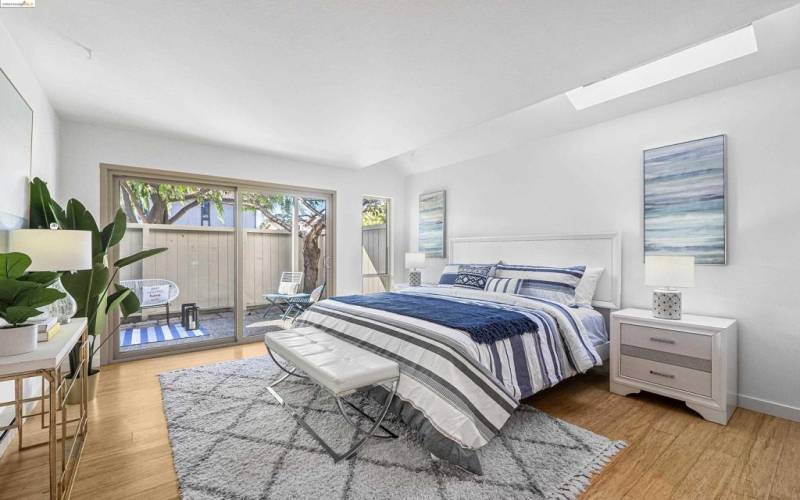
(374, 259)
(201, 260)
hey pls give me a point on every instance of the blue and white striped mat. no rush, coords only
(158, 333)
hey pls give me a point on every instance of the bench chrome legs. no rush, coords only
(280, 365)
(340, 404)
(376, 422)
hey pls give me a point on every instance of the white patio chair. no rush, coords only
(149, 292)
(287, 288)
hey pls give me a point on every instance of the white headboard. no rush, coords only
(593, 250)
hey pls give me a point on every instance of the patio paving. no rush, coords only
(219, 324)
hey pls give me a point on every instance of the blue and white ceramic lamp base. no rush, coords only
(415, 278)
(667, 304)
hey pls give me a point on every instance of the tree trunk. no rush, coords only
(311, 254)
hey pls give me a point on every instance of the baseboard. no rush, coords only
(769, 407)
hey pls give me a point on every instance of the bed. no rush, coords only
(458, 388)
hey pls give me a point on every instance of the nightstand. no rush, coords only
(693, 359)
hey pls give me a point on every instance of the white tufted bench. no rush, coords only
(337, 366)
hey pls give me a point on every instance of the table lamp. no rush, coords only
(668, 272)
(414, 262)
(55, 250)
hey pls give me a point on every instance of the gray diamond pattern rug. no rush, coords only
(231, 440)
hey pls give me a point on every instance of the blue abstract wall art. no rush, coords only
(432, 224)
(684, 200)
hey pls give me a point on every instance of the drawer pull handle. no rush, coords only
(665, 375)
(662, 341)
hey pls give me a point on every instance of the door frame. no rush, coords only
(109, 173)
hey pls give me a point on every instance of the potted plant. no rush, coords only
(91, 288)
(21, 293)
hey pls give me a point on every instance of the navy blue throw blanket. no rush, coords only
(485, 324)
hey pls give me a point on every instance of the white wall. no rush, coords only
(591, 180)
(84, 147)
(45, 120)
(44, 162)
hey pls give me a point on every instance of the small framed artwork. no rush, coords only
(432, 224)
(684, 200)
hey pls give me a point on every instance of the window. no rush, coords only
(375, 244)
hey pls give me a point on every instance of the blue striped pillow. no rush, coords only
(550, 283)
(503, 285)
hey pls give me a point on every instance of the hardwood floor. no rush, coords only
(671, 452)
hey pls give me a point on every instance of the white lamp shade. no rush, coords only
(669, 270)
(415, 260)
(53, 250)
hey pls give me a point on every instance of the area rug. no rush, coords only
(157, 333)
(230, 439)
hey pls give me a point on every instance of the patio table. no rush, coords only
(283, 301)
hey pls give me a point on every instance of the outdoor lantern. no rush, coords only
(190, 316)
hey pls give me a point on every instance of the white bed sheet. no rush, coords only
(594, 323)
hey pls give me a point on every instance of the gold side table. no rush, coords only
(48, 362)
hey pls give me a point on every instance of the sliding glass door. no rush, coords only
(229, 247)
(285, 256)
(196, 223)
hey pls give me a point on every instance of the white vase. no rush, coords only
(18, 340)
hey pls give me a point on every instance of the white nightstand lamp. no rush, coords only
(414, 262)
(667, 272)
(55, 250)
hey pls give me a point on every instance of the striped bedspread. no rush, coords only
(465, 390)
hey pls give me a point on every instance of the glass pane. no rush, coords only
(197, 226)
(375, 245)
(267, 220)
(312, 225)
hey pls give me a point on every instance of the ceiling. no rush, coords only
(778, 38)
(347, 83)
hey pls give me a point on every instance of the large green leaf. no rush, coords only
(130, 304)
(44, 278)
(116, 299)
(113, 233)
(43, 209)
(38, 297)
(16, 315)
(130, 259)
(10, 289)
(85, 287)
(13, 265)
(100, 315)
(78, 218)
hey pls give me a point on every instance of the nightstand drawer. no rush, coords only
(686, 344)
(677, 377)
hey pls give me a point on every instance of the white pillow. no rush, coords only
(288, 288)
(584, 292)
(156, 295)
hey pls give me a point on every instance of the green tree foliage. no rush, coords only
(373, 211)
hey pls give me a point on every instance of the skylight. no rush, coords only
(705, 55)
